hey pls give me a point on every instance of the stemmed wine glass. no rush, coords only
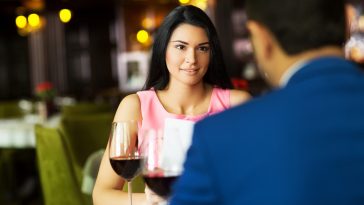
(124, 155)
(159, 169)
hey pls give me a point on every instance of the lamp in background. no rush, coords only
(21, 22)
(65, 15)
(29, 24)
(142, 36)
(184, 1)
(148, 23)
(28, 16)
(202, 4)
(34, 20)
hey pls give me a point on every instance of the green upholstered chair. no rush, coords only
(87, 134)
(84, 135)
(7, 177)
(85, 108)
(90, 173)
(58, 179)
(10, 109)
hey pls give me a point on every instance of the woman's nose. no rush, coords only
(190, 56)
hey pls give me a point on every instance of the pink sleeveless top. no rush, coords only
(154, 114)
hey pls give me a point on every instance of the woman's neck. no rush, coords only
(186, 100)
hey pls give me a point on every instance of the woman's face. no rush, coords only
(188, 54)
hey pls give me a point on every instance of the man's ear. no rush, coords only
(350, 18)
(262, 38)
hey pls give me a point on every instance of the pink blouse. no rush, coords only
(154, 114)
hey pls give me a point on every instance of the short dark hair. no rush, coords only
(158, 76)
(301, 25)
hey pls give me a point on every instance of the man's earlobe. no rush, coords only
(263, 36)
(252, 27)
(350, 14)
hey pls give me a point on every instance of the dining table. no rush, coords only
(19, 132)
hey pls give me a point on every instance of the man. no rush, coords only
(301, 144)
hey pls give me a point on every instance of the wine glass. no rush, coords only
(124, 155)
(159, 168)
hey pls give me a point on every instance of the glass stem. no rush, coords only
(130, 191)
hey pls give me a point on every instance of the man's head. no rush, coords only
(287, 28)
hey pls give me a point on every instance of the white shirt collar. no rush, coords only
(287, 75)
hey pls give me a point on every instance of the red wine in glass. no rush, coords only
(123, 151)
(158, 175)
(160, 184)
(126, 168)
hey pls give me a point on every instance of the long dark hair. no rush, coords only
(158, 76)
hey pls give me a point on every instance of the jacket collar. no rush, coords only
(319, 67)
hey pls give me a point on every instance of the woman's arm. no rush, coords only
(238, 96)
(108, 186)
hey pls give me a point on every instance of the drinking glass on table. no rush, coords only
(124, 155)
(159, 168)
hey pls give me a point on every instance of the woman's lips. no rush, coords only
(189, 71)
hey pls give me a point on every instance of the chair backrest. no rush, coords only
(84, 108)
(58, 179)
(84, 135)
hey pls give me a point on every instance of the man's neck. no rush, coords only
(293, 62)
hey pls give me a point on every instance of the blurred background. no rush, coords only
(66, 64)
(92, 49)
(99, 50)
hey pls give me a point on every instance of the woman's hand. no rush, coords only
(153, 198)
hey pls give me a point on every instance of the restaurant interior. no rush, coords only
(66, 64)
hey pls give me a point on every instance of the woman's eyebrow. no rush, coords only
(183, 42)
(179, 41)
(203, 43)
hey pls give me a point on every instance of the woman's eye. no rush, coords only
(180, 47)
(204, 48)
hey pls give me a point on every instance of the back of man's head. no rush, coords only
(301, 25)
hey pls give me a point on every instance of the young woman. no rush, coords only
(187, 80)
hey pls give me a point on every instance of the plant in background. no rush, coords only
(45, 91)
(240, 84)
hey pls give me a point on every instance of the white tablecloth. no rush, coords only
(19, 133)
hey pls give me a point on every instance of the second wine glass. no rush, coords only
(159, 171)
(125, 158)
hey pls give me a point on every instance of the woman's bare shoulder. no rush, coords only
(238, 97)
(129, 108)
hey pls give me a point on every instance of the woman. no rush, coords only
(187, 80)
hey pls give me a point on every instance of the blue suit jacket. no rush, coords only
(300, 145)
